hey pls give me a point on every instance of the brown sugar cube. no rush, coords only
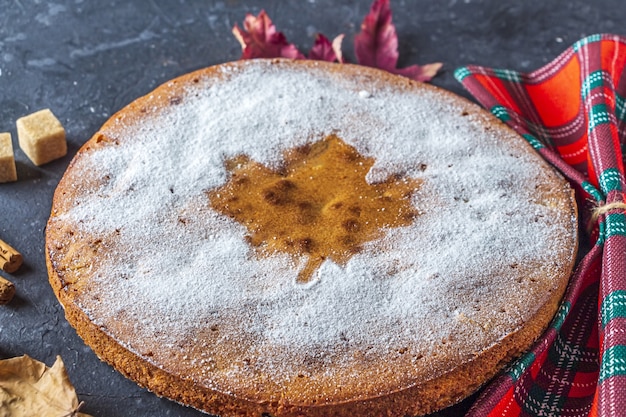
(7, 161)
(41, 137)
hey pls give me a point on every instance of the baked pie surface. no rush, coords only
(292, 292)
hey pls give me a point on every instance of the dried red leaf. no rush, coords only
(423, 73)
(260, 39)
(324, 50)
(337, 47)
(377, 45)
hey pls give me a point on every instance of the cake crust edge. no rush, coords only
(416, 400)
(424, 398)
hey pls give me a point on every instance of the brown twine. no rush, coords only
(600, 210)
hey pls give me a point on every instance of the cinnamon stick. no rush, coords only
(10, 259)
(7, 291)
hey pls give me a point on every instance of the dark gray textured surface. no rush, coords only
(86, 59)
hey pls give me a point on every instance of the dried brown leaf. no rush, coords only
(29, 388)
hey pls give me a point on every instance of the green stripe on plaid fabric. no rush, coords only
(507, 75)
(541, 402)
(598, 115)
(610, 180)
(501, 113)
(620, 107)
(615, 224)
(613, 305)
(586, 41)
(601, 234)
(594, 80)
(592, 191)
(534, 142)
(613, 362)
(461, 73)
(559, 318)
(519, 367)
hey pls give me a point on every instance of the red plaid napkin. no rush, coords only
(573, 112)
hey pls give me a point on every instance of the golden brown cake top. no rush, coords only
(187, 273)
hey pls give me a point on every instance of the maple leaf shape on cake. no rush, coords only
(260, 39)
(377, 45)
(325, 50)
(317, 205)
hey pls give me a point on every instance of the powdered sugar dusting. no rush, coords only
(419, 285)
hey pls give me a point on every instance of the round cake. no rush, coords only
(298, 238)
